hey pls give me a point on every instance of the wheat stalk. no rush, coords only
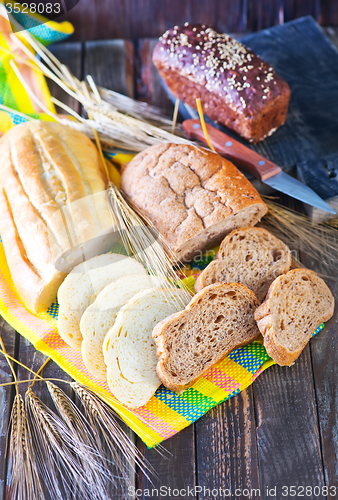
(44, 447)
(58, 455)
(127, 131)
(96, 466)
(318, 241)
(147, 247)
(23, 480)
(104, 419)
(121, 121)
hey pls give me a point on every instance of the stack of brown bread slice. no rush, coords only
(226, 313)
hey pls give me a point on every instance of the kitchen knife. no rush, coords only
(262, 168)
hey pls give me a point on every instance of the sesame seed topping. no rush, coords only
(218, 62)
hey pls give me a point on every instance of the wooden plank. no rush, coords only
(178, 470)
(329, 13)
(133, 19)
(263, 14)
(323, 353)
(111, 65)
(232, 17)
(175, 469)
(151, 18)
(324, 348)
(300, 8)
(69, 54)
(226, 449)
(148, 85)
(287, 429)
(34, 359)
(8, 336)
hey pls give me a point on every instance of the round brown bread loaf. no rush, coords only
(192, 196)
(296, 304)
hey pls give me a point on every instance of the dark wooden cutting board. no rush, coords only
(308, 61)
(307, 144)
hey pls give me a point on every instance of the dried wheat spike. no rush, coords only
(103, 418)
(96, 466)
(59, 460)
(23, 477)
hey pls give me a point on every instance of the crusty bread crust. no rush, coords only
(235, 86)
(251, 256)
(48, 173)
(40, 292)
(192, 196)
(299, 294)
(218, 319)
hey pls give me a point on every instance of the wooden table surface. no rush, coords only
(280, 432)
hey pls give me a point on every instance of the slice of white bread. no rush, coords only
(100, 316)
(296, 304)
(219, 319)
(129, 349)
(82, 286)
(251, 256)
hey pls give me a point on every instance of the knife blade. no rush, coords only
(268, 172)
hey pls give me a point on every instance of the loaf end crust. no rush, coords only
(296, 304)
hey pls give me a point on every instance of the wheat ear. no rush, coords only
(60, 461)
(103, 418)
(318, 241)
(96, 466)
(23, 481)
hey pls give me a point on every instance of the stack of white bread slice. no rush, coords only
(82, 286)
(129, 349)
(109, 307)
(100, 316)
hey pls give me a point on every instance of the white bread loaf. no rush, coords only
(100, 316)
(218, 319)
(48, 175)
(251, 256)
(129, 349)
(296, 304)
(82, 286)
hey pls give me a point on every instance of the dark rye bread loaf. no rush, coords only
(296, 304)
(251, 256)
(218, 319)
(236, 87)
(192, 196)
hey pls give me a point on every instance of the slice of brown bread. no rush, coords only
(296, 304)
(216, 321)
(251, 256)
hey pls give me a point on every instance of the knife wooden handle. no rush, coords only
(233, 150)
